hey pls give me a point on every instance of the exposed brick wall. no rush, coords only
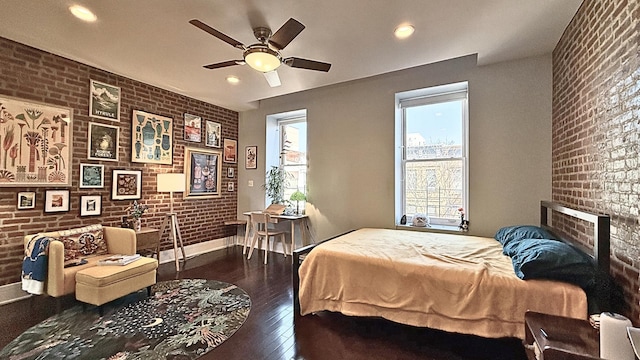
(35, 75)
(596, 127)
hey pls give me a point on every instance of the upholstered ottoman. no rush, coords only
(98, 285)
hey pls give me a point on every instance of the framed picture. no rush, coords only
(104, 101)
(214, 130)
(230, 172)
(90, 205)
(126, 185)
(56, 201)
(26, 200)
(37, 144)
(151, 138)
(192, 128)
(91, 176)
(103, 142)
(230, 151)
(251, 157)
(230, 186)
(203, 169)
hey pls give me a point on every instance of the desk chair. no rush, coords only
(260, 224)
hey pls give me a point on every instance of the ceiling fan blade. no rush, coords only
(272, 78)
(200, 25)
(307, 64)
(286, 33)
(224, 64)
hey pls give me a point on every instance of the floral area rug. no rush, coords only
(182, 319)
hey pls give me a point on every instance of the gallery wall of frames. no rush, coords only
(79, 144)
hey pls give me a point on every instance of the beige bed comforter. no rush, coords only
(450, 282)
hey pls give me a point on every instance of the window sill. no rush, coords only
(433, 228)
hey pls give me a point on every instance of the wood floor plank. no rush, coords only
(270, 331)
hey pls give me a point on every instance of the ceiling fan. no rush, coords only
(265, 56)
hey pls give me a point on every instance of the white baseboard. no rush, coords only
(13, 292)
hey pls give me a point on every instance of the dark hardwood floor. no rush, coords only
(270, 331)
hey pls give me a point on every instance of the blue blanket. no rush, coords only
(34, 265)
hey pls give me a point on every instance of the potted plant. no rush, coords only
(276, 182)
(297, 197)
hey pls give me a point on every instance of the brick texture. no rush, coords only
(35, 75)
(596, 126)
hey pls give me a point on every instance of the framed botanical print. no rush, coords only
(203, 168)
(91, 176)
(104, 101)
(37, 142)
(192, 128)
(151, 138)
(56, 201)
(126, 185)
(103, 142)
(251, 157)
(90, 205)
(213, 134)
(230, 151)
(26, 200)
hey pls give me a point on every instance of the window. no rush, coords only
(287, 148)
(433, 153)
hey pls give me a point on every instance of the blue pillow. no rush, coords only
(508, 234)
(552, 260)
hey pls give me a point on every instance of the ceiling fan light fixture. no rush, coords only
(404, 31)
(262, 58)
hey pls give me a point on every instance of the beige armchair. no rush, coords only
(61, 280)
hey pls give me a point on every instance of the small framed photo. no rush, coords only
(230, 186)
(126, 185)
(91, 176)
(26, 200)
(90, 205)
(230, 151)
(56, 201)
(230, 172)
(103, 142)
(192, 128)
(104, 101)
(213, 134)
(251, 157)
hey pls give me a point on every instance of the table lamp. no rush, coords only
(172, 183)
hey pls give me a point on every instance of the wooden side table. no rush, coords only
(560, 338)
(148, 241)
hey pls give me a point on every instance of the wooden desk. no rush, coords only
(300, 220)
(148, 239)
(565, 339)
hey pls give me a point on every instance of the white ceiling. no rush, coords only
(152, 41)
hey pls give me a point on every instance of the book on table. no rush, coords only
(119, 259)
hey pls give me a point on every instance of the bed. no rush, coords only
(451, 282)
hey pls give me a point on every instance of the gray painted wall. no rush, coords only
(351, 144)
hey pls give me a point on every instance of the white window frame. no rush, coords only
(274, 139)
(432, 95)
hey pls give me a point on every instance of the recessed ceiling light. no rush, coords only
(82, 13)
(231, 79)
(404, 31)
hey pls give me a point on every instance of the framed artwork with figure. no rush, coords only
(213, 131)
(203, 172)
(251, 157)
(192, 128)
(103, 142)
(230, 151)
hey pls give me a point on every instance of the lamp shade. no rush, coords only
(171, 182)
